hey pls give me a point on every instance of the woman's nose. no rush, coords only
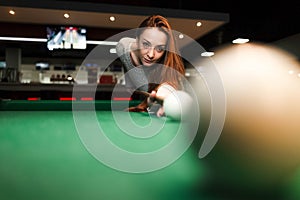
(151, 53)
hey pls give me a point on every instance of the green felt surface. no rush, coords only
(42, 157)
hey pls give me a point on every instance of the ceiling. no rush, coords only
(222, 21)
(90, 18)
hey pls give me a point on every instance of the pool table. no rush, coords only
(43, 155)
(47, 153)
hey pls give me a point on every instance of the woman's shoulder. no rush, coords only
(124, 45)
(125, 41)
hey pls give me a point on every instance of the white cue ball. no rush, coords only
(261, 135)
(177, 105)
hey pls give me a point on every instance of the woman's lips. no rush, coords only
(147, 61)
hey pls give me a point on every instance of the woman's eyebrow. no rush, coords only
(145, 40)
(161, 45)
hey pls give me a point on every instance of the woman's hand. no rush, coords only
(152, 99)
(162, 92)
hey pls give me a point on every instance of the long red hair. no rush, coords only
(172, 65)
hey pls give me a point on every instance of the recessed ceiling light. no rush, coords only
(12, 12)
(207, 54)
(113, 50)
(66, 15)
(198, 24)
(187, 74)
(240, 41)
(181, 36)
(112, 18)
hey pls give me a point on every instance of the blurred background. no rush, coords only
(46, 47)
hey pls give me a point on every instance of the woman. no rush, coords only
(152, 61)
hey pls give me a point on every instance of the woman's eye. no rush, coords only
(160, 49)
(146, 45)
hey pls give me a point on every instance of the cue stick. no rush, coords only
(153, 99)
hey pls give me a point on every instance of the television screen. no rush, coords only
(42, 66)
(66, 37)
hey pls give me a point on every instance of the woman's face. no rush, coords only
(152, 44)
